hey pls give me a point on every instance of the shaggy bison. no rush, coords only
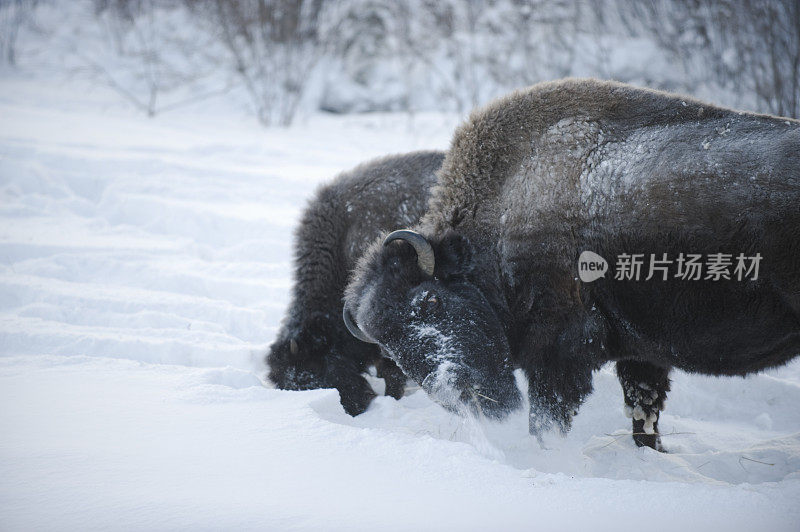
(489, 279)
(313, 348)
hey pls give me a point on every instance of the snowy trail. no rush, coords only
(144, 268)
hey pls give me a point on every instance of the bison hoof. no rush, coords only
(357, 405)
(356, 396)
(396, 389)
(647, 436)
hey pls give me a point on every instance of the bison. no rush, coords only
(313, 348)
(488, 281)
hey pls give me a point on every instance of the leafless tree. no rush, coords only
(153, 63)
(272, 46)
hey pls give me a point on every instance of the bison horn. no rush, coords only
(425, 257)
(353, 327)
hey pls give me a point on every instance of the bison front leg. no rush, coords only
(645, 388)
(556, 391)
(354, 390)
(393, 376)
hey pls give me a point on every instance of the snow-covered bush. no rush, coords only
(154, 55)
(281, 57)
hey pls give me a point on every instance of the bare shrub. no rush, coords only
(750, 47)
(272, 45)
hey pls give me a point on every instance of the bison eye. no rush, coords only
(429, 303)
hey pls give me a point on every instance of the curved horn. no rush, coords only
(353, 327)
(425, 257)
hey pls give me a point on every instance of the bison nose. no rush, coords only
(488, 402)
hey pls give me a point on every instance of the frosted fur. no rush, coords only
(558, 145)
(351, 211)
(313, 349)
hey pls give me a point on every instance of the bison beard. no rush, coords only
(544, 174)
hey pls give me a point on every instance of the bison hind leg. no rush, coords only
(645, 388)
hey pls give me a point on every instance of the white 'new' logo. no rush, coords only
(591, 266)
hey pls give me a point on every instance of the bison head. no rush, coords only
(417, 298)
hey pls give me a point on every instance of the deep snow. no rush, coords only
(144, 268)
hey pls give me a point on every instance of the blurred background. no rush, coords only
(282, 59)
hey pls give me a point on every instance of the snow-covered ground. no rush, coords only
(144, 268)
